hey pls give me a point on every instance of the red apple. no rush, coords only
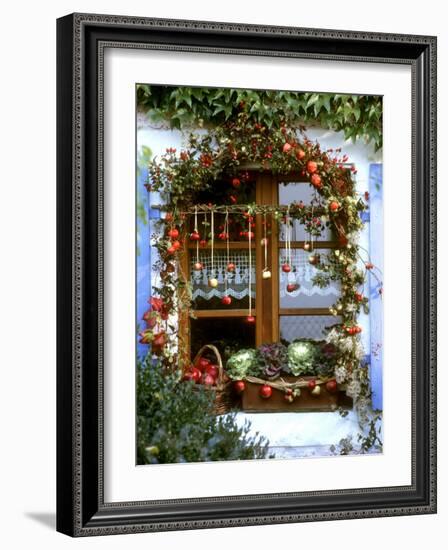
(334, 206)
(265, 391)
(230, 267)
(286, 268)
(188, 376)
(171, 250)
(226, 300)
(195, 236)
(332, 386)
(202, 363)
(239, 386)
(198, 266)
(176, 245)
(290, 287)
(212, 370)
(311, 384)
(236, 182)
(196, 374)
(207, 379)
(287, 148)
(173, 233)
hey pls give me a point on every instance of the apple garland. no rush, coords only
(223, 152)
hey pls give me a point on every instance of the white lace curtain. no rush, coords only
(302, 274)
(237, 282)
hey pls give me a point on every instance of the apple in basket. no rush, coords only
(193, 374)
(202, 363)
(212, 370)
(207, 379)
(188, 376)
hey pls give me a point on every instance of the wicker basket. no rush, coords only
(224, 401)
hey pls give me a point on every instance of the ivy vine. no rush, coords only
(358, 116)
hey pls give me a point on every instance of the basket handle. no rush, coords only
(214, 349)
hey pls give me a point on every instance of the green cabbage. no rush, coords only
(301, 355)
(242, 364)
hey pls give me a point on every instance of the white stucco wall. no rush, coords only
(301, 434)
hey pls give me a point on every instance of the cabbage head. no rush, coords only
(301, 357)
(242, 363)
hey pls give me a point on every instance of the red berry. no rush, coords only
(300, 154)
(171, 250)
(334, 205)
(287, 148)
(316, 180)
(176, 245)
(311, 166)
(265, 391)
(358, 297)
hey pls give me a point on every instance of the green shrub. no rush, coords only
(176, 423)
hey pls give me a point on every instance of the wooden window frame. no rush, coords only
(267, 309)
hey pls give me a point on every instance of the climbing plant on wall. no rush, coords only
(358, 116)
(223, 154)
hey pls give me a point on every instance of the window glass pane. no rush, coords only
(296, 192)
(303, 293)
(227, 334)
(234, 284)
(306, 326)
(223, 193)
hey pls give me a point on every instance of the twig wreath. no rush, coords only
(223, 153)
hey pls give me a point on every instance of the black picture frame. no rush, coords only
(81, 510)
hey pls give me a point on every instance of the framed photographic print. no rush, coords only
(246, 274)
